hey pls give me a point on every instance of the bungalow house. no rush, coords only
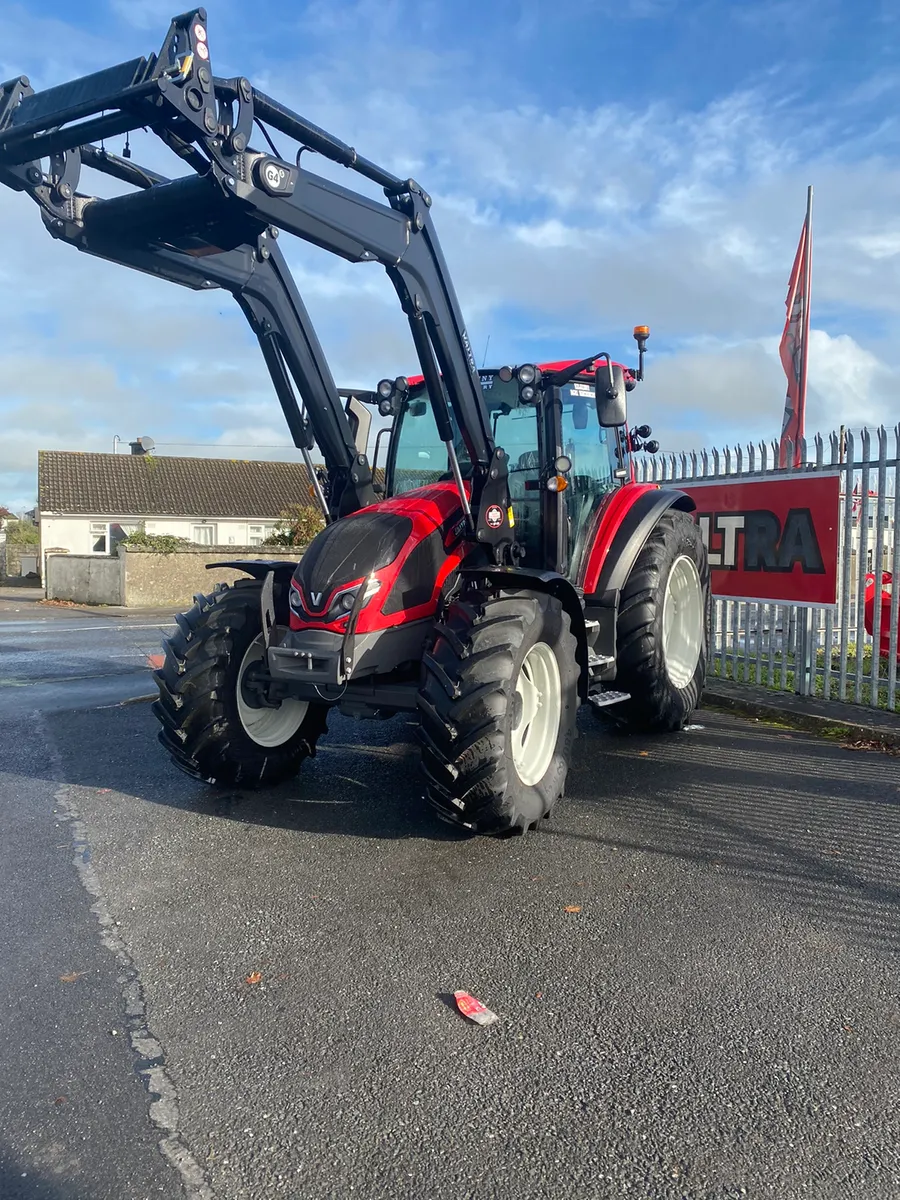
(87, 502)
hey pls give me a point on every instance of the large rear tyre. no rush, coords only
(497, 707)
(213, 724)
(663, 629)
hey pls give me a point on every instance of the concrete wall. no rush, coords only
(163, 580)
(16, 561)
(138, 578)
(85, 578)
(74, 533)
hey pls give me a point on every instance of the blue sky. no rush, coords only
(594, 165)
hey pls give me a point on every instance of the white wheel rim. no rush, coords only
(269, 727)
(683, 621)
(535, 733)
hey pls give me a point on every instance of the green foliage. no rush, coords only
(159, 543)
(745, 671)
(21, 533)
(298, 525)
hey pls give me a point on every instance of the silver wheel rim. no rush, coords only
(683, 621)
(535, 733)
(268, 727)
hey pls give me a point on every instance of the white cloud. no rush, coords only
(548, 235)
(726, 395)
(849, 385)
(145, 14)
(580, 221)
(885, 244)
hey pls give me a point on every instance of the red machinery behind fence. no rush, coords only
(887, 580)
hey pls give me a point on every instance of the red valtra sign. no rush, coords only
(773, 540)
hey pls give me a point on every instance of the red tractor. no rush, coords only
(508, 570)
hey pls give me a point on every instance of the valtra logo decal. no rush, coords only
(494, 516)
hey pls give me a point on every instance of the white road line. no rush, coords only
(42, 680)
(95, 628)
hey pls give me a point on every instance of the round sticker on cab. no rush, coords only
(494, 516)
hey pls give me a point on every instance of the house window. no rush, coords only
(106, 535)
(204, 535)
(119, 532)
(259, 533)
(99, 537)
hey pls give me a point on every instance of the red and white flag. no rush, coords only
(794, 347)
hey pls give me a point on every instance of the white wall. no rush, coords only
(74, 533)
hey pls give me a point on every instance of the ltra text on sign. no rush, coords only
(772, 540)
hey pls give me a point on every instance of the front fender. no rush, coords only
(282, 572)
(258, 567)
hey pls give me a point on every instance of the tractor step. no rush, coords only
(599, 660)
(603, 699)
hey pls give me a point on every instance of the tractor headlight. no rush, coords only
(527, 374)
(344, 601)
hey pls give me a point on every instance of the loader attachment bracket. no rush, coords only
(267, 608)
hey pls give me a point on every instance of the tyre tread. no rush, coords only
(655, 705)
(467, 686)
(195, 728)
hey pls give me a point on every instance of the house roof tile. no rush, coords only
(146, 486)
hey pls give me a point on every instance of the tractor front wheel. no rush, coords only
(215, 723)
(663, 629)
(497, 706)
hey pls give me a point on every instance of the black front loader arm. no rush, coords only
(216, 228)
(258, 278)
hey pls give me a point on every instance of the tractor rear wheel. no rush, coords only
(213, 724)
(663, 629)
(497, 706)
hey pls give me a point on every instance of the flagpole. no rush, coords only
(804, 355)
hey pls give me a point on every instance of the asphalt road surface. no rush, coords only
(227, 995)
(54, 657)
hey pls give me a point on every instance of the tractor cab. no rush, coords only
(567, 448)
(558, 446)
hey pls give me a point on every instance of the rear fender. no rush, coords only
(621, 545)
(621, 536)
(526, 579)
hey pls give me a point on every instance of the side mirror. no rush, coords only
(360, 419)
(609, 395)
